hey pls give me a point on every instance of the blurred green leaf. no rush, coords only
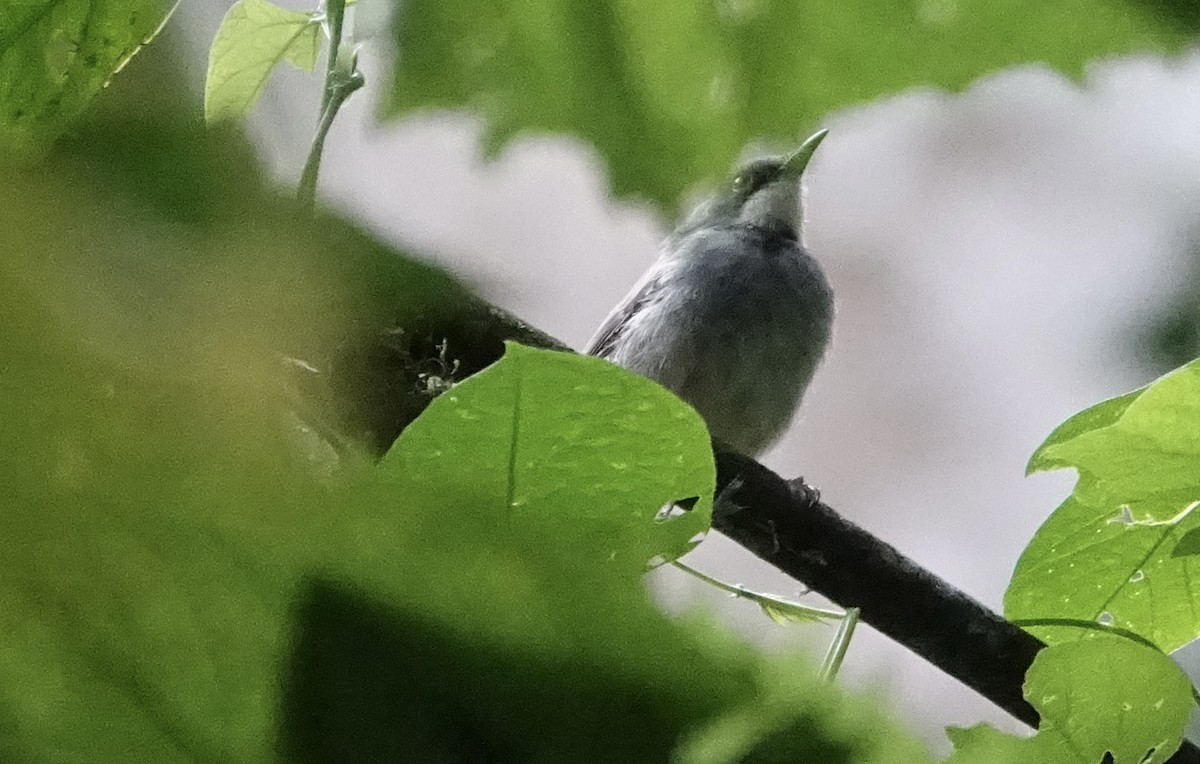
(369, 682)
(1107, 554)
(55, 56)
(145, 587)
(1096, 696)
(1185, 13)
(670, 92)
(777, 726)
(157, 511)
(254, 37)
(543, 436)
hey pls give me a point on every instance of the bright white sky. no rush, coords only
(991, 252)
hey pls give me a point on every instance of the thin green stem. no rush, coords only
(841, 642)
(335, 12)
(769, 603)
(339, 84)
(308, 179)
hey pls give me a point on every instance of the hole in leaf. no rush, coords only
(1125, 517)
(677, 508)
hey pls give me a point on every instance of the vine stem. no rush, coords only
(840, 644)
(340, 83)
(788, 608)
(780, 609)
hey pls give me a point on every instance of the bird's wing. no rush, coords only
(644, 291)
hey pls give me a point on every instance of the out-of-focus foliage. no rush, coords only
(55, 56)
(773, 727)
(670, 92)
(254, 38)
(1107, 555)
(1184, 13)
(1096, 696)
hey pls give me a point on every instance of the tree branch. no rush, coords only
(777, 521)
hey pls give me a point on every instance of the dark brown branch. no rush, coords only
(773, 518)
(777, 521)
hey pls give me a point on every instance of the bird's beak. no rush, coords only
(794, 165)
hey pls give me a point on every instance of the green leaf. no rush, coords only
(1107, 554)
(1148, 457)
(1085, 563)
(670, 92)
(1095, 696)
(1093, 418)
(253, 39)
(55, 56)
(1188, 545)
(784, 613)
(543, 436)
(984, 744)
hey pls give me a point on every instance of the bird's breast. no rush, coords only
(751, 330)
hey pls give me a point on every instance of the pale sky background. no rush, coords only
(991, 252)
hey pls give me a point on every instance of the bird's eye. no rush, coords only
(739, 183)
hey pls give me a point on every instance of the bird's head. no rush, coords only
(764, 193)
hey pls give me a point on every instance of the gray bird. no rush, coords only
(735, 314)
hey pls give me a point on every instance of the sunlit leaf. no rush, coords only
(253, 39)
(1092, 418)
(1096, 696)
(544, 437)
(1108, 554)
